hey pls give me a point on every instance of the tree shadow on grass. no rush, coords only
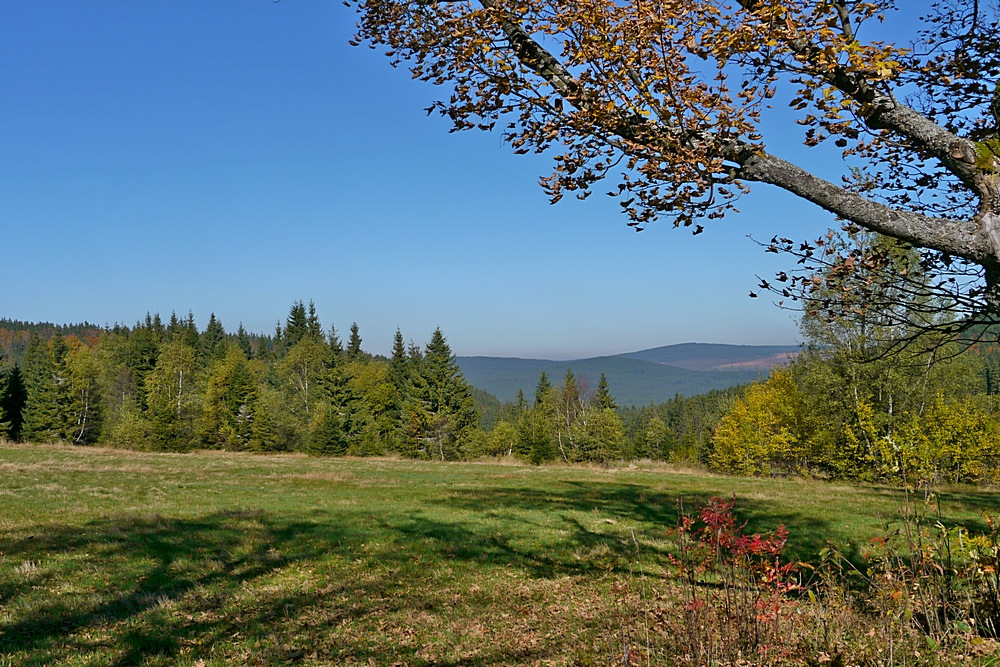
(127, 590)
(155, 590)
(138, 571)
(648, 513)
(960, 506)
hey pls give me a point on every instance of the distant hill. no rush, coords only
(636, 378)
(717, 357)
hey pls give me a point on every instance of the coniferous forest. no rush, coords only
(844, 409)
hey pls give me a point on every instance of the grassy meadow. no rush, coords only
(110, 557)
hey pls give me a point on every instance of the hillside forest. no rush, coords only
(845, 408)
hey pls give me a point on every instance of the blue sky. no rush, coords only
(235, 156)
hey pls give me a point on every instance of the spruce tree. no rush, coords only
(277, 347)
(211, 341)
(296, 325)
(398, 375)
(313, 327)
(397, 364)
(354, 343)
(12, 400)
(336, 347)
(230, 402)
(243, 340)
(41, 411)
(604, 399)
(542, 389)
(157, 326)
(326, 433)
(175, 328)
(190, 331)
(448, 398)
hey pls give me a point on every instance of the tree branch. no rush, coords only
(953, 237)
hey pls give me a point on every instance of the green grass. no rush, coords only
(121, 558)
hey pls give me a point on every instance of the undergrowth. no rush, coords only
(922, 593)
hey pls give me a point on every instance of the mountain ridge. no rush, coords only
(635, 378)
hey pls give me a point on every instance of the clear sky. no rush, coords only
(237, 155)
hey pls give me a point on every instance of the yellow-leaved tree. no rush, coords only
(765, 432)
(956, 442)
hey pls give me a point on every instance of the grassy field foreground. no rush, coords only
(113, 558)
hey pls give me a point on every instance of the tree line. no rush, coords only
(167, 386)
(853, 405)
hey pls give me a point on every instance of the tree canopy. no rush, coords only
(670, 105)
